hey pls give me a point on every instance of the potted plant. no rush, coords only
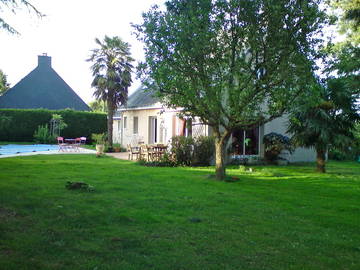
(100, 142)
(117, 147)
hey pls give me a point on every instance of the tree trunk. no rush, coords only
(320, 160)
(110, 124)
(221, 141)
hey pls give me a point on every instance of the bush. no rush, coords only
(182, 150)
(188, 151)
(276, 143)
(165, 161)
(204, 149)
(22, 123)
(343, 154)
(42, 135)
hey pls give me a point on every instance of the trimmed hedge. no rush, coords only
(22, 123)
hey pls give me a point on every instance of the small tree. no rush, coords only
(275, 144)
(112, 66)
(56, 125)
(328, 120)
(235, 64)
(4, 85)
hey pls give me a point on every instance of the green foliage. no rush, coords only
(326, 120)
(181, 150)
(348, 13)
(165, 161)
(4, 121)
(343, 58)
(4, 85)
(234, 64)
(204, 149)
(111, 68)
(24, 122)
(99, 138)
(188, 151)
(351, 151)
(331, 120)
(98, 106)
(57, 124)
(43, 135)
(275, 144)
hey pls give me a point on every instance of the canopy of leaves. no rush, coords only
(236, 63)
(344, 57)
(349, 18)
(98, 106)
(327, 120)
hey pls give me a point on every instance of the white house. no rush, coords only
(146, 120)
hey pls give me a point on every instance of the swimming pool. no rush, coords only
(11, 149)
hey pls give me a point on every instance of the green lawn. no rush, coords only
(176, 218)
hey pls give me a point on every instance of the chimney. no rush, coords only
(44, 60)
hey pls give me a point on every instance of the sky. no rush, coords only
(67, 34)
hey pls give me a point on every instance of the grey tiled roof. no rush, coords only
(42, 88)
(142, 97)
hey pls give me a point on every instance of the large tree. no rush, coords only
(233, 63)
(13, 5)
(111, 68)
(4, 85)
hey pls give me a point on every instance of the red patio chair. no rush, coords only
(82, 140)
(62, 145)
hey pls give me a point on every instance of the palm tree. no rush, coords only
(328, 121)
(111, 70)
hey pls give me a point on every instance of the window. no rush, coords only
(245, 142)
(136, 125)
(125, 118)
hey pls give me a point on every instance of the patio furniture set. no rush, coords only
(152, 152)
(70, 145)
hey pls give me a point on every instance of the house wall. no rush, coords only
(168, 125)
(279, 125)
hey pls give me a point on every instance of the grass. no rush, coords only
(176, 218)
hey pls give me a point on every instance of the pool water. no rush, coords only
(11, 149)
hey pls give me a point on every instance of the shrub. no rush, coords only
(276, 143)
(204, 149)
(43, 135)
(165, 161)
(22, 123)
(182, 150)
(188, 151)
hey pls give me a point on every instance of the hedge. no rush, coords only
(19, 125)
